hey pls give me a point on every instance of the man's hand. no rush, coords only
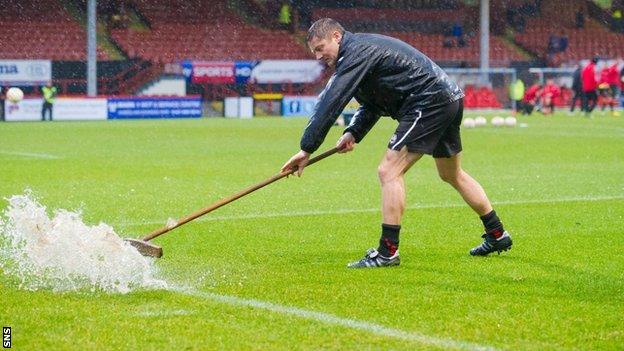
(298, 161)
(346, 143)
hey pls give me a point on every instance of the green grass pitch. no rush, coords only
(268, 271)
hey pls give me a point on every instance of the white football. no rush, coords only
(510, 121)
(480, 121)
(498, 121)
(469, 123)
(15, 95)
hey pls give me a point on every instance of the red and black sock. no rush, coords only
(492, 224)
(389, 241)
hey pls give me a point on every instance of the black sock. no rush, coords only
(492, 224)
(389, 241)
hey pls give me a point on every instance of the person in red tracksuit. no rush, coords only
(531, 98)
(613, 79)
(550, 92)
(588, 78)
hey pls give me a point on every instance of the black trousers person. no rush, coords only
(590, 100)
(47, 106)
(578, 96)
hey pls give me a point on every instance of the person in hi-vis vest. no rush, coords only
(49, 93)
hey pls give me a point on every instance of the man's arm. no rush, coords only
(339, 90)
(362, 122)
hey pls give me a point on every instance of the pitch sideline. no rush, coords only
(326, 318)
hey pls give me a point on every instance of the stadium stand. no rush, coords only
(591, 40)
(425, 29)
(41, 29)
(203, 31)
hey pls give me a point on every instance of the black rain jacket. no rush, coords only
(387, 76)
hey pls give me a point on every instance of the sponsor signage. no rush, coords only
(287, 71)
(240, 72)
(243, 70)
(25, 72)
(212, 72)
(64, 109)
(133, 107)
(25, 110)
(298, 106)
(79, 109)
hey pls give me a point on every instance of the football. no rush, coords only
(15, 95)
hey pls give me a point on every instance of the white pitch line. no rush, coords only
(31, 154)
(161, 313)
(326, 318)
(367, 210)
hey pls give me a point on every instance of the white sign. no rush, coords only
(297, 106)
(79, 109)
(285, 71)
(64, 109)
(25, 72)
(25, 110)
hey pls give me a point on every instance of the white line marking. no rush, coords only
(30, 154)
(366, 210)
(326, 318)
(163, 313)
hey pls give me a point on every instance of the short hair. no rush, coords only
(323, 28)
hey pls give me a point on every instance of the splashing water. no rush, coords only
(64, 254)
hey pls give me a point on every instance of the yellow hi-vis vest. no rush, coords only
(49, 94)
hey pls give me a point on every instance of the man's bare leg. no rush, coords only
(391, 170)
(496, 238)
(471, 191)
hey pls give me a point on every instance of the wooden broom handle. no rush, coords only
(236, 196)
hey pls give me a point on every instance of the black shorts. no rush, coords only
(432, 131)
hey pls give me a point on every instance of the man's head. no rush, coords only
(324, 37)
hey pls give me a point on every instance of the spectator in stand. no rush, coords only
(579, 19)
(550, 92)
(588, 79)
(616, 20)
(531, 99)
(553, 44)
(284, 18)
(577, 88)
(447, 42)
(563, 41)
(458, 33)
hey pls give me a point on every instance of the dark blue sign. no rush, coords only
(242, 71)
(170, 107)
(187, 69)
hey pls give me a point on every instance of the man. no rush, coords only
(577, 88)
(49, 93)
(389, 77)
(516, 93)
(550, 92)
(590, 85)
(607, 86)
(531, 100)
(2, 98)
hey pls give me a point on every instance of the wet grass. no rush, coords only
(557, 184)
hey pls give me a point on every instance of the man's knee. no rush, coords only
(449, 176)
(385, 172)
